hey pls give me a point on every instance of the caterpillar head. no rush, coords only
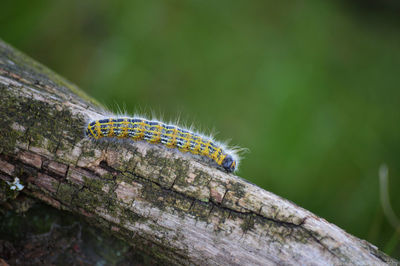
(229, 164)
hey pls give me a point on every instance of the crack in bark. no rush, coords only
(248, 215)
(322, 244)
(223, 197)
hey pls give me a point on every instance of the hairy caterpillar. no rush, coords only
(155, 132)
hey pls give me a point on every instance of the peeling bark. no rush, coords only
(173, 207)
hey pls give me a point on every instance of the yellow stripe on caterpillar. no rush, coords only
(154, 132)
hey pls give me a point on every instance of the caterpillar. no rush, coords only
(170, 136)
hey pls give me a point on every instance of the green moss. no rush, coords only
(87, 153)
(222, 214)
(153, 158)
(65, 193)
(201, 210)
(113, 207)
(248, 223)
(182, 203)
(239, 189)
(88, 200)
(8, 136)
(42, 126)
(154, 194)
(108, 176)
(94, 184)
(100, 222)
(129, 166)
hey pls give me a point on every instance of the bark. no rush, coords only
(171, 206)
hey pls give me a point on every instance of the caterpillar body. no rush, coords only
(171, 136)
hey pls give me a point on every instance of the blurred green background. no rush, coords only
(311, 88)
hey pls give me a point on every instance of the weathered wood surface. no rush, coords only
(171, 206)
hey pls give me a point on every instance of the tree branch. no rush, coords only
(171, 206)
